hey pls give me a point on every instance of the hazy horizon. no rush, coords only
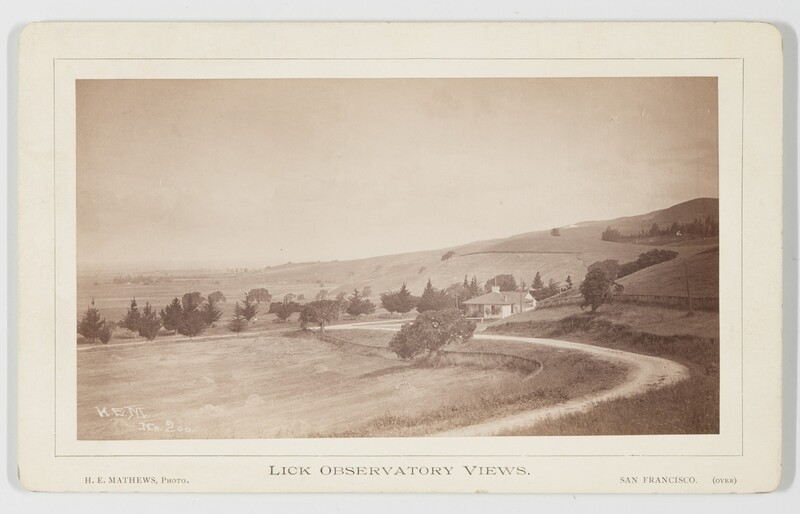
(255, 173)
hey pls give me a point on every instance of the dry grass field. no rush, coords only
(562, 375)
(294, 385)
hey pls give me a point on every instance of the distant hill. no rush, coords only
(522, 255)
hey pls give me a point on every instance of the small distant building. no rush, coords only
(498, 305)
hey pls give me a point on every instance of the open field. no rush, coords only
(689, 406)
(294, 385)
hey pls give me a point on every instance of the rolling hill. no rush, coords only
(522, 255)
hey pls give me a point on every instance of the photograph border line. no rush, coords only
(55, 247)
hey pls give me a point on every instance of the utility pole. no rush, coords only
(688, 291)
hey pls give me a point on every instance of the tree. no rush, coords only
(172, 315)
(149, 323)
(130, 320)
(106, 331)
(448, 255)
(506, 283)
(405, 300)
(433, 299)
(555, 232)
(211, 312)
(342, 302)
(284, 310)
(537, 281)
(458, 292)
(474, 289)
(217, 296)
(609, 266)
(569, 282)
(237, 323)
(366, 292)
(430, 332)
(248, 309)
(319, 312)
(259, 295)
(191, 301)
(193, 321)
(358, 305)
(596, 288)
(92, 326)
(389, 301)
(288, 298)
(301, 297)
(322, 294)
(610, 234)
(553, 287)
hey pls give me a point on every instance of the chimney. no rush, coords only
(495, 289)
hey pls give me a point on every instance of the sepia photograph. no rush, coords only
(490, 257)
(271, 258)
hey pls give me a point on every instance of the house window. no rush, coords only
(496, 310)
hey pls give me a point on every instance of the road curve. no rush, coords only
(646, 373)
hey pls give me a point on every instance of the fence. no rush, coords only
(709, 303)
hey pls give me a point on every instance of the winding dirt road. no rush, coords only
(647, 373)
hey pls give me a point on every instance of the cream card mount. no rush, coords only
(400, 257)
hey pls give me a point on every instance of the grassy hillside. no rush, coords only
(669, 278)
(522, 255)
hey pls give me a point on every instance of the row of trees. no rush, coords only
(454, 296)
(189, 315)
(432, 299)
(645, 260)
(322, 312)
(192, 314)
(708, 227)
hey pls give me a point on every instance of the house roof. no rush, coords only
(507, 298)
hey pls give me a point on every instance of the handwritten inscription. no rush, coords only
(132, 411)
(137, 412)
(168, 426)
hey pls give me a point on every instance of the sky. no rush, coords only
(259, 172)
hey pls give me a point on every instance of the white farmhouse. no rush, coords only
(498, 305)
